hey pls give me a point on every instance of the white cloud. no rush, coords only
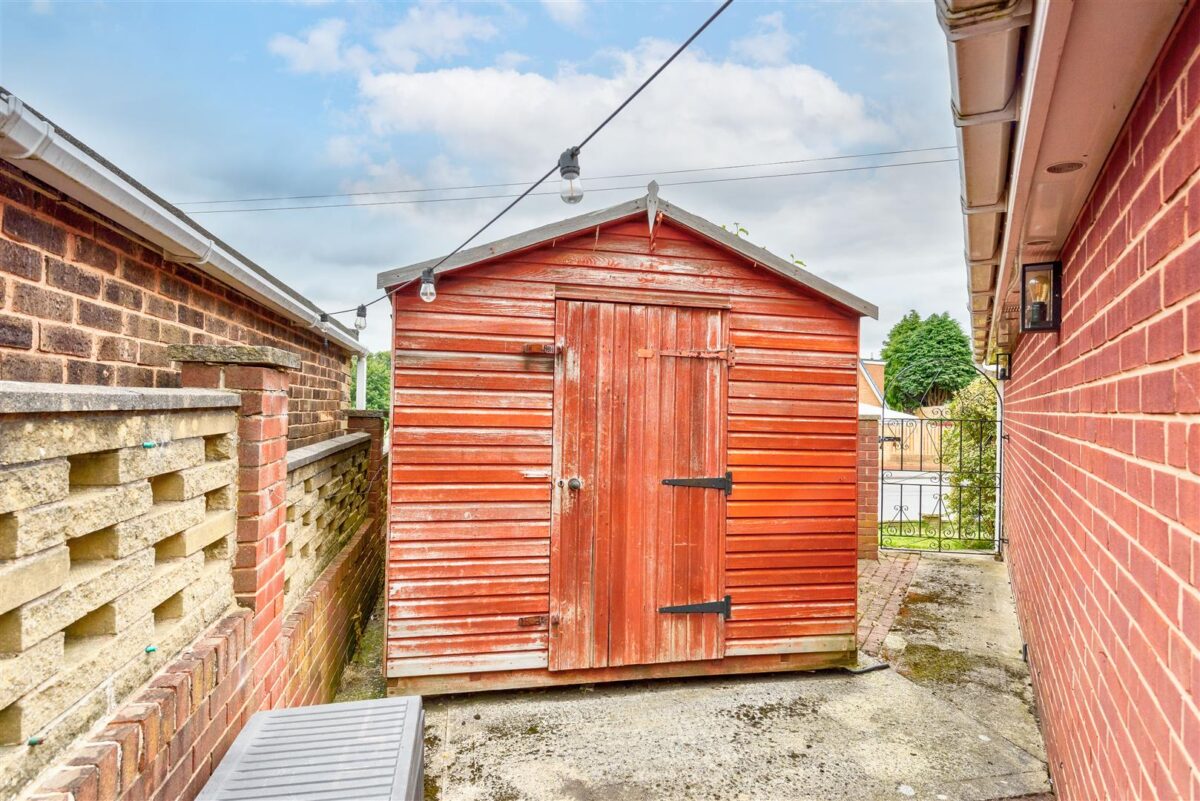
(700, 111)
(346, 150)
(566, 12)
(769, 44)
(319, 51)
(511, 60)
(432, 31)
(892, 236)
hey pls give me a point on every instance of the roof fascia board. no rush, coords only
(512, 244)
(575, 225)
(1048, 35)
(32, 143)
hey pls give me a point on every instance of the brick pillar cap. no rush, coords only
(379, 413)
(868, 417)
(250, 355)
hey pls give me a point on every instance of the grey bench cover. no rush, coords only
(362, 750)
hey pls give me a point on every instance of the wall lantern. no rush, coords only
(1003, 362)
(1041, 296)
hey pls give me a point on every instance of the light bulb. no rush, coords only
(428, 291)
(1038, 288)
(360, 319)
(570, 188)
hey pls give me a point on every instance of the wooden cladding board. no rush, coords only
(471, 490)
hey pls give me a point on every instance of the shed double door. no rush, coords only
(640, 395)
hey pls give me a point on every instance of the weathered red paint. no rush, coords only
(500, 578)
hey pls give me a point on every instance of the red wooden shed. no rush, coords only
(623, 447)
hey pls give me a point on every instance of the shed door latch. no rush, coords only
(724, 607)
(724, 482)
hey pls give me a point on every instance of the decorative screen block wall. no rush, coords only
(159, 728)
(117, 517)
(326, 505)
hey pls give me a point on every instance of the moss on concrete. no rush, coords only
(363, 677)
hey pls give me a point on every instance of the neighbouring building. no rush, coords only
(624, 447)
(99, 276)
(192, 521)
(1080, 145)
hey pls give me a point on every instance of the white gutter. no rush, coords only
(34, 145)
(984, 42)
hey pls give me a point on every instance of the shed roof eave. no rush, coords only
(574, 225)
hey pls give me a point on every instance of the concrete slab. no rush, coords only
(956, 634)
(799, 736)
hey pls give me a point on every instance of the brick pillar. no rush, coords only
(260, 376)
(374, 423)
(868, 487)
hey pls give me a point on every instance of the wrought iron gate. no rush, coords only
(941, 481)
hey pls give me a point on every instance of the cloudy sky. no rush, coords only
(227, 101)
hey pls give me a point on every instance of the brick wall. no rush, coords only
(164, 739)
(868, 487)
(1102, 481)
(84, 301)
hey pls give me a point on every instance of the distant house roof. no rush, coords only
(652, 206)
(870, 383)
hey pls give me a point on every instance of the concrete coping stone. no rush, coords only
(19, 397)
(323, 450)
(868, 417)
(251, 355)
(377, 413)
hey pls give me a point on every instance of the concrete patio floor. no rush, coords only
(952, 721)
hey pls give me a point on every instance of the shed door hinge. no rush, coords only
(724, 354)
(724, 607)
(724, 482)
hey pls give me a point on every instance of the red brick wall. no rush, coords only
(868, 488)
(83, 301)
(1102, 482)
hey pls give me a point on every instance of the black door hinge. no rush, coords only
(724, 607)
(723, 483)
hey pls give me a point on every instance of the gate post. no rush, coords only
(867, 480)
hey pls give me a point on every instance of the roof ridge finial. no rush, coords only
(652, 208)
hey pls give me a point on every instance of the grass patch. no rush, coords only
(924, 536)
(363, 677)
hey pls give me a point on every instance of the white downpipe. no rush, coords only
(360, 383)
(27, 138)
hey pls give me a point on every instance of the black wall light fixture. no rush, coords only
(1003, 362)
(1041, 296)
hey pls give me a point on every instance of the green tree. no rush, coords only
(894, 353)
(379, 380)
(927, 361)
(969, 453)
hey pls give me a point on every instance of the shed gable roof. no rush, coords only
(574, 225)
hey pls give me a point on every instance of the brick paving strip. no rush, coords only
(882, 586)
